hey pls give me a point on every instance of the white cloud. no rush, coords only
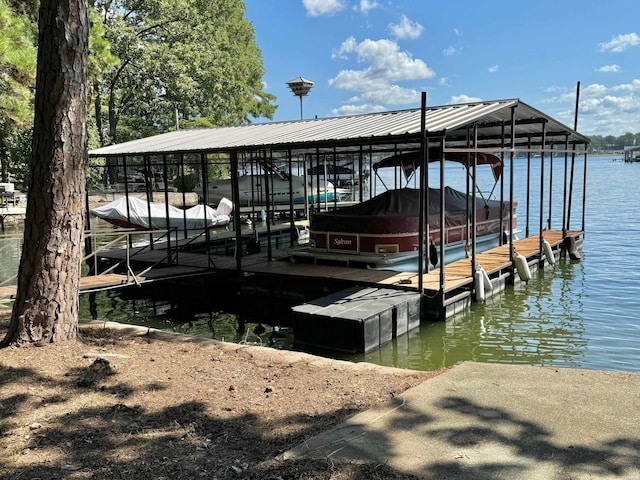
(450, 51)
(379, 100)
(594, 90)
(463, 99)
(608, 69)
(367, 5)
(406, 29)
(493, 68)
(634, 86)
(392, 95)
(316, 8)
(444, 82)
(351, 109)
(457, 32)
(620, 43)
(383, 62)
(554, 89)
(603, 110)
(381, 69)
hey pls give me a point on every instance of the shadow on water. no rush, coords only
(185, 311)
(534, 323)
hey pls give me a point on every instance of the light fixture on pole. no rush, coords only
(300, 87)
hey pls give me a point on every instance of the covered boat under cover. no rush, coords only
(389, 222)
(137, 213)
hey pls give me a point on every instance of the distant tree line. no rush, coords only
(154, 66)
(610, 143)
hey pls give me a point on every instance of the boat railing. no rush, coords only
(124, 238)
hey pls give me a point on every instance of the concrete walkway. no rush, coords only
(486, 421)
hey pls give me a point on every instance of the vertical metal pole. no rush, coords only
(584, 189)
(205, 199)
(573, 161)
(501, 229)
(474, 203)
(306, 182)
(564, 189)
(148, 180)
(467, 213)
(166, 201)
(317, 197)
(526, 230)
(550, 190)
(267, 192)
(443, 207)
(235, 193)
(511, 178)
(421, 194)
(88, 240)
(184, 196)
(540, 225)
(292, 212)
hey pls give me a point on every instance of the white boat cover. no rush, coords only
(153, 215)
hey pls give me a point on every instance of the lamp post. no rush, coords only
(300, 87)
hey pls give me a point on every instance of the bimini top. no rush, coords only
(453, 122)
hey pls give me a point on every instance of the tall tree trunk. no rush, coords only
(97, 105)
(46, 306)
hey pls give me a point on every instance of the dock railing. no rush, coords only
(124, 238)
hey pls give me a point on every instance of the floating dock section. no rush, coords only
(356, 319)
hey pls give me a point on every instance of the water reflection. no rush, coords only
(10, 251)
(537, 323)
(193, 317)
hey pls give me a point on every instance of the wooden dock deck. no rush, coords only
(87, 284)
(458, 276)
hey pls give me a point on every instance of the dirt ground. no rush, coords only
(127, 404)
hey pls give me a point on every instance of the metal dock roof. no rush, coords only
(401, 126)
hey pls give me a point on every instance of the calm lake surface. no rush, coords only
(577, 314)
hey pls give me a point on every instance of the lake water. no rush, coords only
(578, 314)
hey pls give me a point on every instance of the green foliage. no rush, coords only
(17, 77)
(198, 57)
(19, 146)
(186, 183)
(17, 67)
(218, 167)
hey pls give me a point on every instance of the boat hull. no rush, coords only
(252, 191)
(385, 230)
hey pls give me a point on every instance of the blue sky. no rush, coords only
(377, 55)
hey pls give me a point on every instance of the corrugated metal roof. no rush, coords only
(336, 131)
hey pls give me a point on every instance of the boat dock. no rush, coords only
(256, 268)
(360, 308)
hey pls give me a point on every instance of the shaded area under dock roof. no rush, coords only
(493, 120)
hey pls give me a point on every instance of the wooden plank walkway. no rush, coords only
(457, 275)
(94, 282)
(454, 296)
